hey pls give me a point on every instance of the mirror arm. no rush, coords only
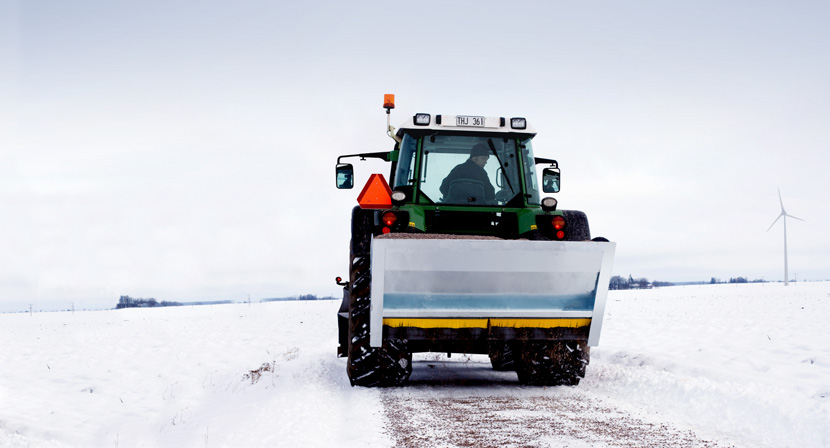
(553, 163)
(385, 156)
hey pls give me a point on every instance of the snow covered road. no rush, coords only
(466, 403)
(719, 365)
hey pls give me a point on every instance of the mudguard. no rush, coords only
(516, 283)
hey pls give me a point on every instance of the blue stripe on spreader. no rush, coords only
(575, 302)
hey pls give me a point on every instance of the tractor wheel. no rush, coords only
(395, 362)
(363, 363)
(553, 363)
(577, 225)
(501, 356)
(390, 365)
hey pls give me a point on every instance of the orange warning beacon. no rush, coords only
(389, 101)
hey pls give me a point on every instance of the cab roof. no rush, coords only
(468, 123)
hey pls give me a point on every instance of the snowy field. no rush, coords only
(710, 366)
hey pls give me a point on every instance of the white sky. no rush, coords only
(185, 150)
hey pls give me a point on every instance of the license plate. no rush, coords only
(466, 120)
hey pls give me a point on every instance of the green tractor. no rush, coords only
(459, 253)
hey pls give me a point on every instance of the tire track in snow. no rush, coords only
(460, 404)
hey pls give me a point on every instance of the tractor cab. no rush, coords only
(462, 161)
(462, 174)
(465, 169)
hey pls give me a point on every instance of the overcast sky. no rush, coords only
(185, 150)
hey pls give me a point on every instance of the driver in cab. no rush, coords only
(465, 178)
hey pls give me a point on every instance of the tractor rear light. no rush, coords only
(389, 219)
(421, 119)
(386, 230)
(560, 234)
(518, 123)
(558, 223)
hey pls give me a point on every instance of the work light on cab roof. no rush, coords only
(421, 119)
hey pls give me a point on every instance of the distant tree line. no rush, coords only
(715, 281)
(619, 282)
(657, 284)
(300, 297)
(129, 302)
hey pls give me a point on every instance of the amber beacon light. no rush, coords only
(389, 101)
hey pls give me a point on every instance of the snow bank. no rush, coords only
(747, 365)
(177, 377)
(750, 361)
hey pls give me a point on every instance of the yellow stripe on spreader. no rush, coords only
(482, 323)
(540, 323)
(436, 323)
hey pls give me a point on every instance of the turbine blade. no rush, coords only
(780, 200)
(793, 217)
(776, 220)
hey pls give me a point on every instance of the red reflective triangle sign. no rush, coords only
(376, 193)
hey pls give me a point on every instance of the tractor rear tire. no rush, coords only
(553, 363)
(389, 365)
(577, 225)
(362, 359)
(502, 356)
(395, 362)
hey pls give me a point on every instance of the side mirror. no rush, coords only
(345, 175)
(550, 180)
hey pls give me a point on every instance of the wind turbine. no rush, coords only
(785, 215)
